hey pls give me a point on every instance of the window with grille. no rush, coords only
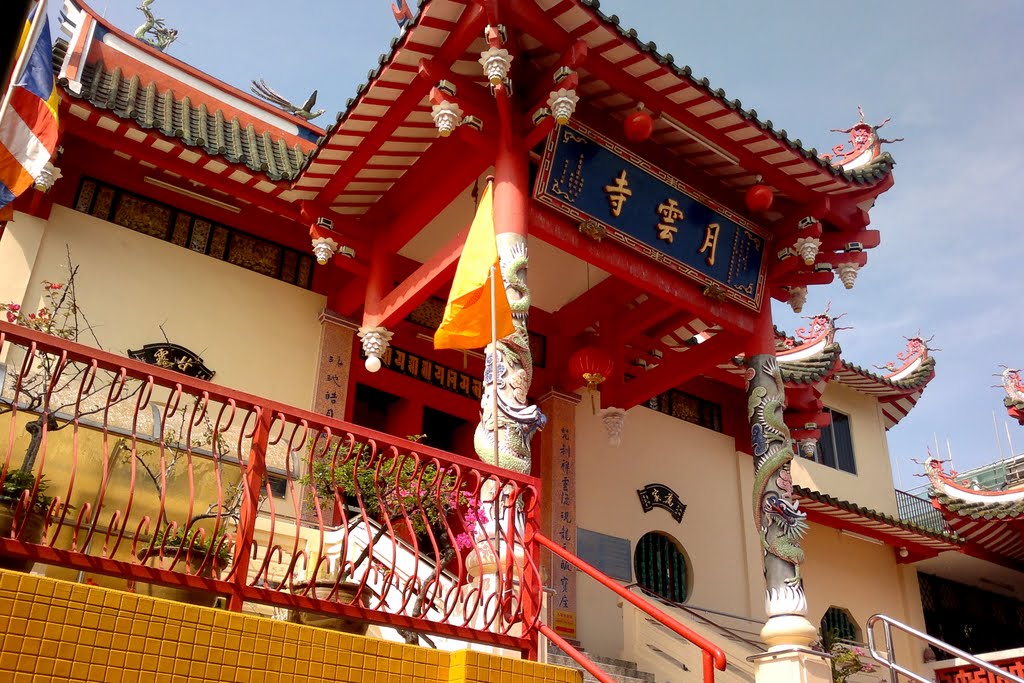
(661, 567)
(838, 625)
(835, 447)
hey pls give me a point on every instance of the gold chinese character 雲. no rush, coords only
(670, 213)
(163, 358)
(618, 193)
(710, 242)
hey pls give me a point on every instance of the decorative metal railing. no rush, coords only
(919, 511)
(142, 477)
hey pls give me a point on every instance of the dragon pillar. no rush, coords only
(509, 363)
(778, 520)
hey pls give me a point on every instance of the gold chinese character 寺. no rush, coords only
(710, 242)
(670, 213)
(618, 193)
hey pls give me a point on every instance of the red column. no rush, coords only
(511, 171)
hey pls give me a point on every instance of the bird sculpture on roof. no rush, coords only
(265, 92)
(162, 36)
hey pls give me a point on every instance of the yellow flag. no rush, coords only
(467, 317)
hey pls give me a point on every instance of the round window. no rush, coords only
(661, 566)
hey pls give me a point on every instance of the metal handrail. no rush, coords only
(888, 623)
(699, 617)
(712, 656)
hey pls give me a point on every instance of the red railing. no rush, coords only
(712, 656)
(140, 476)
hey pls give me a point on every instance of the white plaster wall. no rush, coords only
(259, 335)
(701, 466)
(865, 579)
(872, 486)
(19, 247)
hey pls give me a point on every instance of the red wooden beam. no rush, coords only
(585, 310)
(470, 96)
(415, 289)
(638, 271)
(471, 24)
(673, 372)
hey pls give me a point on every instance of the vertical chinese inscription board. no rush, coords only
(587, 176)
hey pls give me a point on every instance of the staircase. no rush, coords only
(621, 670)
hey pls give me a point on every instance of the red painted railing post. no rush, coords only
(255, 472)
(532, 587)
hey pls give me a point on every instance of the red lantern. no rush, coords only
(592, 365)
(638, 126)
(759, 198)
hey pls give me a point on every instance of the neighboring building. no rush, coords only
(196, 214)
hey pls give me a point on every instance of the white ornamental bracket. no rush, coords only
(447, 117)
(614, 420)
(847, 273)
(562, 103)
(48, 175)
(375, 342)
(797, 298)
(808, 248)
(496, 62)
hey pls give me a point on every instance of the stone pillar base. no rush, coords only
(787, 631)
(792, 665)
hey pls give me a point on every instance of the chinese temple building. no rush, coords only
(219, 384)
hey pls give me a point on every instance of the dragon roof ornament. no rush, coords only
(1013, 384)
(162, 37)
(916, 351)
(865, 144)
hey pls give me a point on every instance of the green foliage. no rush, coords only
(197, 540)
(16, 482)
(388, 486)
(847, 659)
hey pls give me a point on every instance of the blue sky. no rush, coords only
(950, 263)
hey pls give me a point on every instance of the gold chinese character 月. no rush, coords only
(710, 242)
(618, 193)
(670, 213)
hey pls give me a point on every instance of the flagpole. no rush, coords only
(33, 35)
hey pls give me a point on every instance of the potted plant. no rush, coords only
(23, 508)
(206, 554)
(419, 501)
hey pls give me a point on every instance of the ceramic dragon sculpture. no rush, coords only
(778, 519)
(516, 420)
(162, 37)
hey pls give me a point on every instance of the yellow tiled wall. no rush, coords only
(58, 631)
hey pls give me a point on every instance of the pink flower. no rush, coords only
(11, 317)
(464, 541)
(14, 307)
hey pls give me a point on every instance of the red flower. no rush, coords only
(56, 285)
(11, 317)
(14, 307)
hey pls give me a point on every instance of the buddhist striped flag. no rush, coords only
(28, 129)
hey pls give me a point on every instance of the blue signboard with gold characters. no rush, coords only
(587, 176)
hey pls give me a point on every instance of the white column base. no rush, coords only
(792, 665)
(787, 631)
